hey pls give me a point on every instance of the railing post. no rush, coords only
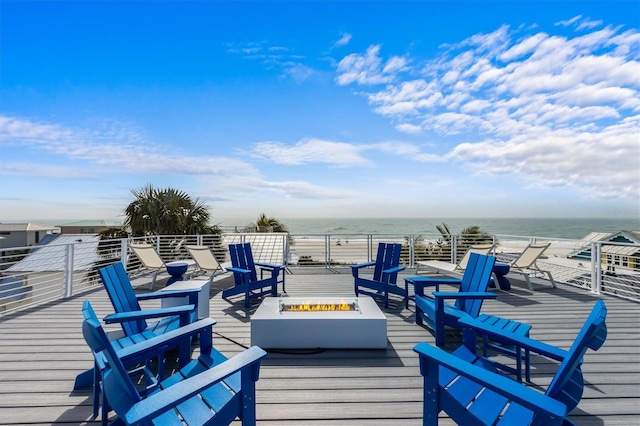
(412, 251)
(124, 255)
(369, 247)
(68, 271)
(158, 248)
(327, 251)
(596, 269)
(454, 249)
(285, 251)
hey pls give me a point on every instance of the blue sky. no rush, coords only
(321, 109)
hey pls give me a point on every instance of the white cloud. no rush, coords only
(339, 154)
(368, 68)
(545, 107)
(297, 71)
(408, 128)
(311, 151)
(50, 171)
(343, 41)
(588, 24)
(568, 22)
(110, 144)
(115, 149)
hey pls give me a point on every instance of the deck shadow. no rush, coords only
(351, 358)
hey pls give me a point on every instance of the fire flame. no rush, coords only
(318, 307)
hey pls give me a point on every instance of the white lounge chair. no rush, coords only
(525, 263)
(205, 260)
(439, 266)
(150, 259)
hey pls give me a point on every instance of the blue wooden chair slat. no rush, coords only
(245, 275)
(385, 275)
(451, 381)
(468, 300)
(194, 395)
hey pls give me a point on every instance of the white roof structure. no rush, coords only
(24, 227)
(52, 256)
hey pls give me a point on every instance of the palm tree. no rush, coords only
(167, 212)
(467, 237)
(473, 235)
(444, 231)
(270, 224)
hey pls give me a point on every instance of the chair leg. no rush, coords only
(418, 316)
(553, 283)
(528, 279)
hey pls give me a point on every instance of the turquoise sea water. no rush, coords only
(554, 228)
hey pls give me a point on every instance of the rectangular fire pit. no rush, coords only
(320, 322)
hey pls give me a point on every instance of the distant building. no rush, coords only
(23, 234)
(89, 226)
(612, 255)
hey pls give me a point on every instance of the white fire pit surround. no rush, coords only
(362, 328)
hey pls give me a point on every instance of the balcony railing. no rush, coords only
(38, 274)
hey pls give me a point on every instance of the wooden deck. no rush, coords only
(42, 351)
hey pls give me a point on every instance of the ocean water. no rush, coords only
(527, 227)
(563, 228)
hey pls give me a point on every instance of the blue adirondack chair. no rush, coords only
(138, 357)
(245, 275)
(128, 312)
(469, 389)
(385, 275)
(204, 392)
(468, 299)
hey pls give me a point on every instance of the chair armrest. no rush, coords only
(269, 266)
(394, 269)
(162, 341)
(248, 362)
(355, 269)
(274, 269)
(238, 270)
(464, 295)
(419, 283)
(522, 342)
(362, 265)
(168, 293)
(147, 314)
(510, 389)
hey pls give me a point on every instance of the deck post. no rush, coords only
(68, 271)
(596, 268)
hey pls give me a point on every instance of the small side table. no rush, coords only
(499, 271)
(504, 326)
(177, 271)
(203, 295)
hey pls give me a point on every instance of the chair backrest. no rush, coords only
(567, 384)
(204, 258)
(529, 255)
(123, 298)
(478, 248)
(148, 255)
(475, 278)
(388, 256)
(242, 257)
(122, 392)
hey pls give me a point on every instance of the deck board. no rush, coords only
(42, 351)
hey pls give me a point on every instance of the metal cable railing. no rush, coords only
(69, 264)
